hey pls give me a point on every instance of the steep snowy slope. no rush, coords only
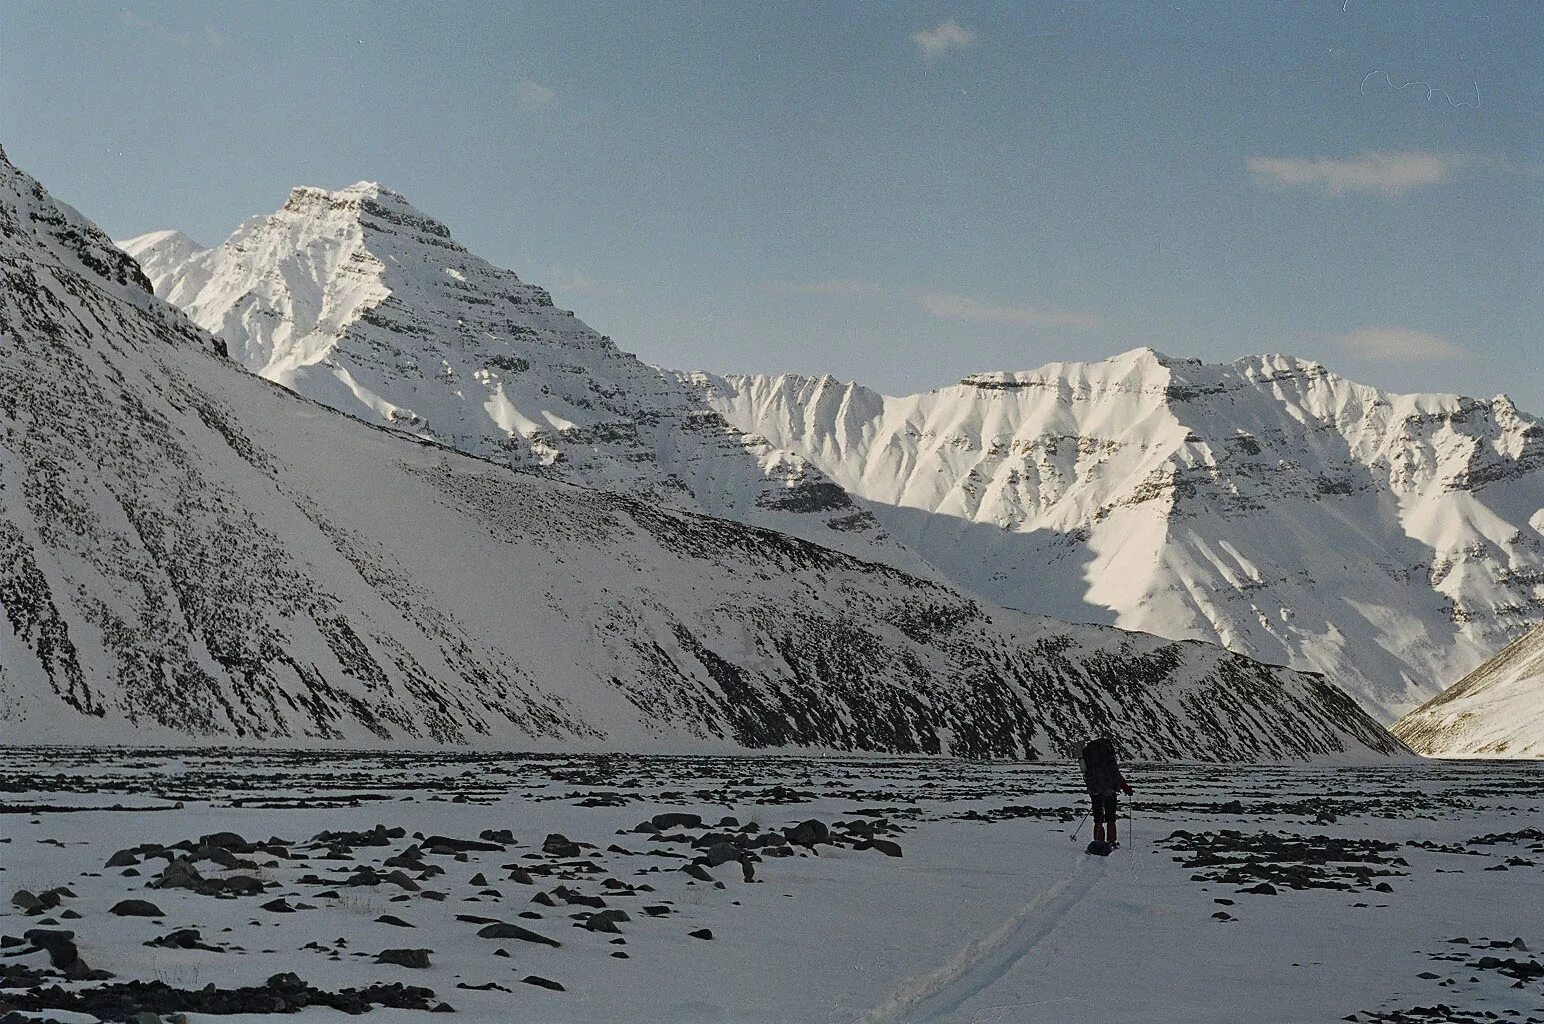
(1495, 711)
(1390, 541)
(358, 300)
(186, 549)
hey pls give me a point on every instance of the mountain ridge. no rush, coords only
(192, 552)
(1495, 711)
(1006, 480)
(1155, 492)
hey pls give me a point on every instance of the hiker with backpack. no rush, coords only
(1102, 777)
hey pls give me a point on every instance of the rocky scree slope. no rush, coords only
(1393, 542)
(360, 301)
(189, 551)
(1495, 711)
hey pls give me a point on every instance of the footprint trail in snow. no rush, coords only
(975, 968)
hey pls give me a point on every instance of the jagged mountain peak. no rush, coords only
(375, 208)
(171, 240)
(156, 251)
(359, 300)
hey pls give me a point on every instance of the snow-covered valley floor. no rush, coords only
(990, 913)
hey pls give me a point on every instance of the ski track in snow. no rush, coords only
(990, 918)
(974, 969)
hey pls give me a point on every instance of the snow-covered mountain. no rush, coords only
(1495, 711)
(360, 301)
(1393, 542)
(188, 550)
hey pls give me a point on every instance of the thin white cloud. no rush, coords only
(1381, 172)
(831, 286)
(1390, 174)
(949, 306)
(1399, 345)
(943, 39)
(532, 95)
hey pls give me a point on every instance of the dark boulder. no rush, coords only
(606, 921)
(415, 958)
(884, 846)
(808, 833)
(533, 979)
(676, 819)
(500, 930)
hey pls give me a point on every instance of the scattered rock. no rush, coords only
(606, 921)
(283, 993)
(722, 853)
(501, 930)
(808, 833)
(183, 938)
(533, 979)
(884, 846)
(676, 819)
(415, 958)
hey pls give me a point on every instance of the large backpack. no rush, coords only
(1099, 770)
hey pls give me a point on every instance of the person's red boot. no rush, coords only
(1098, 832)
(1113, 840)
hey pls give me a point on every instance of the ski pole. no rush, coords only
(1074, 836)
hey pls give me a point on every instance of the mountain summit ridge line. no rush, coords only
(1267, 504)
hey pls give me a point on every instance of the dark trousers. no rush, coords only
(1104, 807)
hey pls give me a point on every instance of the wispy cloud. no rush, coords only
(532, 95)
(1399, 345)
(949, 306)
(832, 286)
(943, 39)
(1381, 172)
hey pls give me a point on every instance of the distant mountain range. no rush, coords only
(187, 551)
(1393, 542)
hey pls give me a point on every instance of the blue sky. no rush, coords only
(894, 193)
